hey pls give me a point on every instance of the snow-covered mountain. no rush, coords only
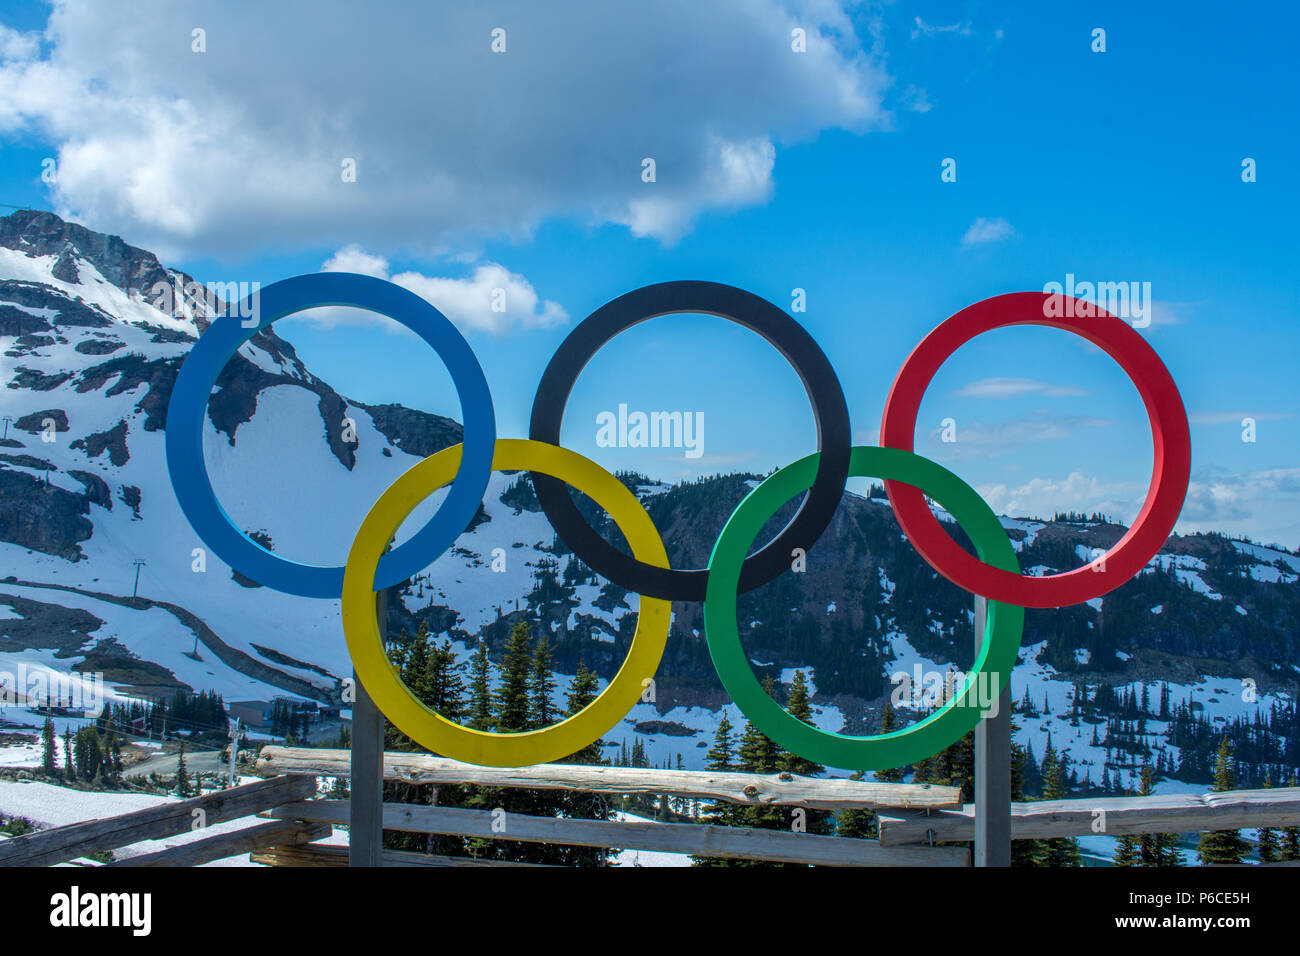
(88, 365)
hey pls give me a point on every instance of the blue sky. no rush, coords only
(773, 173)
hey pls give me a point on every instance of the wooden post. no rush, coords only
(365, 816)
(992, 771)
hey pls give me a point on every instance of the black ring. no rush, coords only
(834, 438)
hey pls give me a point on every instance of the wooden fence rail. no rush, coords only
(784, 789)
(1112, 816)
(60, 844)
(694, 838)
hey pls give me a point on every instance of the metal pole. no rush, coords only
(234, 753)
(366, 806)
(992, 771)
(139, 563)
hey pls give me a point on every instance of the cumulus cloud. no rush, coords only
(1016, 388)
(1261, 504)
(243, 145)
(1043, 497)
(984, 231)
(491, 299)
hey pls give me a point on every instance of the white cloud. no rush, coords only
(468, 302)
(983, 231)
(1235, 418)
(1263, 504)
(915, 99)
(1043, 497)
(1015, 388)
(980, 440)
(242, 146)
(922, 28)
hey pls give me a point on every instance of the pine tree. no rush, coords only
(757, 754)
(182, 774)
(431, 674)
(888, 723)
(542, 685)
(1222, 846)
(480, 701)
(1023, 852)
(721, 758)
(1126, 851)
(1291, 835)
(1268, 845)
(1059, 851)
(799, 704)
(512, 696)
(48, 748)
(577, 804)
(69, 768)
(1156, 849)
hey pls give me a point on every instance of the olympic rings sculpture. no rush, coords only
(993, 573)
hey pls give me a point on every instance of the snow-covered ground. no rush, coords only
(52, 806)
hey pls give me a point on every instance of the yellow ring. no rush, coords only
(421, 723)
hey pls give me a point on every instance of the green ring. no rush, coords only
(1004, 624)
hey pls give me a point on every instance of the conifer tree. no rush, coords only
(1268, 845)
(513, 704)
(542, 685)
(1290, 849)
(1126, 851)
(888, 724)
(69, 768)
(480, 701)
(48, 748)
(1059, 851)
(757, 754)
(577, 804)
(799, 704)
(858, 822)
(721, 758)
(1156, 849)
(182, 774)
(1222, 846)
(1023, 852)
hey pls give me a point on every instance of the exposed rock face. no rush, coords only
(114, 440)
(17, 322)
(98, 346)
(96, 488)
(131, 498)
(133, 370)
(416, 433)
(37, 380)
(29, 461)
(45, 234)
(42, 517)
(40, 625)
(35, 422)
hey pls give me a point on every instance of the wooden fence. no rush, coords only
(912, 817)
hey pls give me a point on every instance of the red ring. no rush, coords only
(1170, 438)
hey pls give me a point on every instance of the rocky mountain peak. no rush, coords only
(39, 233)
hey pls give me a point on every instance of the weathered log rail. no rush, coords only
(784, 789)
(61, 844)
(912, 817)
(1111, 816)
(693, 838)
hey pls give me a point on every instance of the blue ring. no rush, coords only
(189, 401)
